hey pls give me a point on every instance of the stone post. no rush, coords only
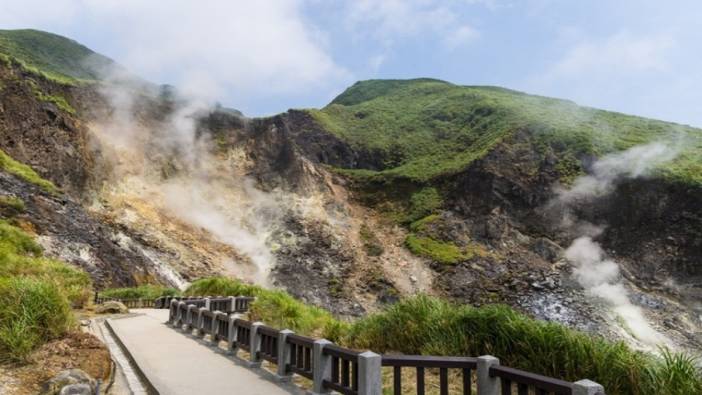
(200, 327)
(487, 385)
(321, 367)
(254, 345)
(173, 313)
(231, 336)
(216, 336)
(283, 355)
(587, 387)
(369, 374)
(232, 304)
(191, 318)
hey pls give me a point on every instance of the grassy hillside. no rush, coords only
(54, 56)
(427, 128)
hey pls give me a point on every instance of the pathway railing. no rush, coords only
(337, 369)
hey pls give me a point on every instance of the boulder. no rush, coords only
(77, 389)
(69, 380)
(112, 307)
(547, 249)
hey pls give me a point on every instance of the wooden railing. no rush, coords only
(465, 365)
(350, 372)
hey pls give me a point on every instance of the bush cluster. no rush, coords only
(36, 294)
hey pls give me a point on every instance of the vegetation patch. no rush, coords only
(426, 325)
(32, 312)
(52, 56)
(146, 291)
(11, 203)
(25, 172)
(36, 294)
(439, 251)
(425, 129)
(57, 100)
(274, 307)
(370, 241)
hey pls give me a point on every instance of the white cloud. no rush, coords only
(209, 47)
(621, 52)
(392, 20)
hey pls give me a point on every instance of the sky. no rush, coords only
(262, 57)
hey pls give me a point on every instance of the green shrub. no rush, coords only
(146, 291)
(32, 311)
(423, 203)
(25, 172)
(224, 286)
(279, 309)
(274, 307)
(439, 251)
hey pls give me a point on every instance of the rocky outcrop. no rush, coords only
(70, 382)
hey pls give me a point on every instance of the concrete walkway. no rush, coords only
(176, 363)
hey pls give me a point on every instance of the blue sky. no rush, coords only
(639, 57)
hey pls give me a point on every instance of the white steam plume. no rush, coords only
(204, 192)
(600, 276)
(632, 163)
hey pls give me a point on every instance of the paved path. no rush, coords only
(176, 363)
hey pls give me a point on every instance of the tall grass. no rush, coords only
(426, 325)
(32, 311)
(213, 286)
(275, 307)
(431, 326)
(36, 294)
(147, 291)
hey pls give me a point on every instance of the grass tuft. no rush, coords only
(25, 172)
(32, 312)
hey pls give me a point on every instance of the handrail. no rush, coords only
(351, 372)
(524, 380)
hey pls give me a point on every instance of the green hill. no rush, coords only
(54, 56)
(427, 128)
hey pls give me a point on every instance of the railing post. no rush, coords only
(173, 312)
(232, 304)
(216, 336)
(283, 355)
(200, 321)
(321, 367)
(254, 345)
(487, 385)
(207, 303)
(192, 317)
(231, 336)
(369, 374)
(587, 387)
(179, 315)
